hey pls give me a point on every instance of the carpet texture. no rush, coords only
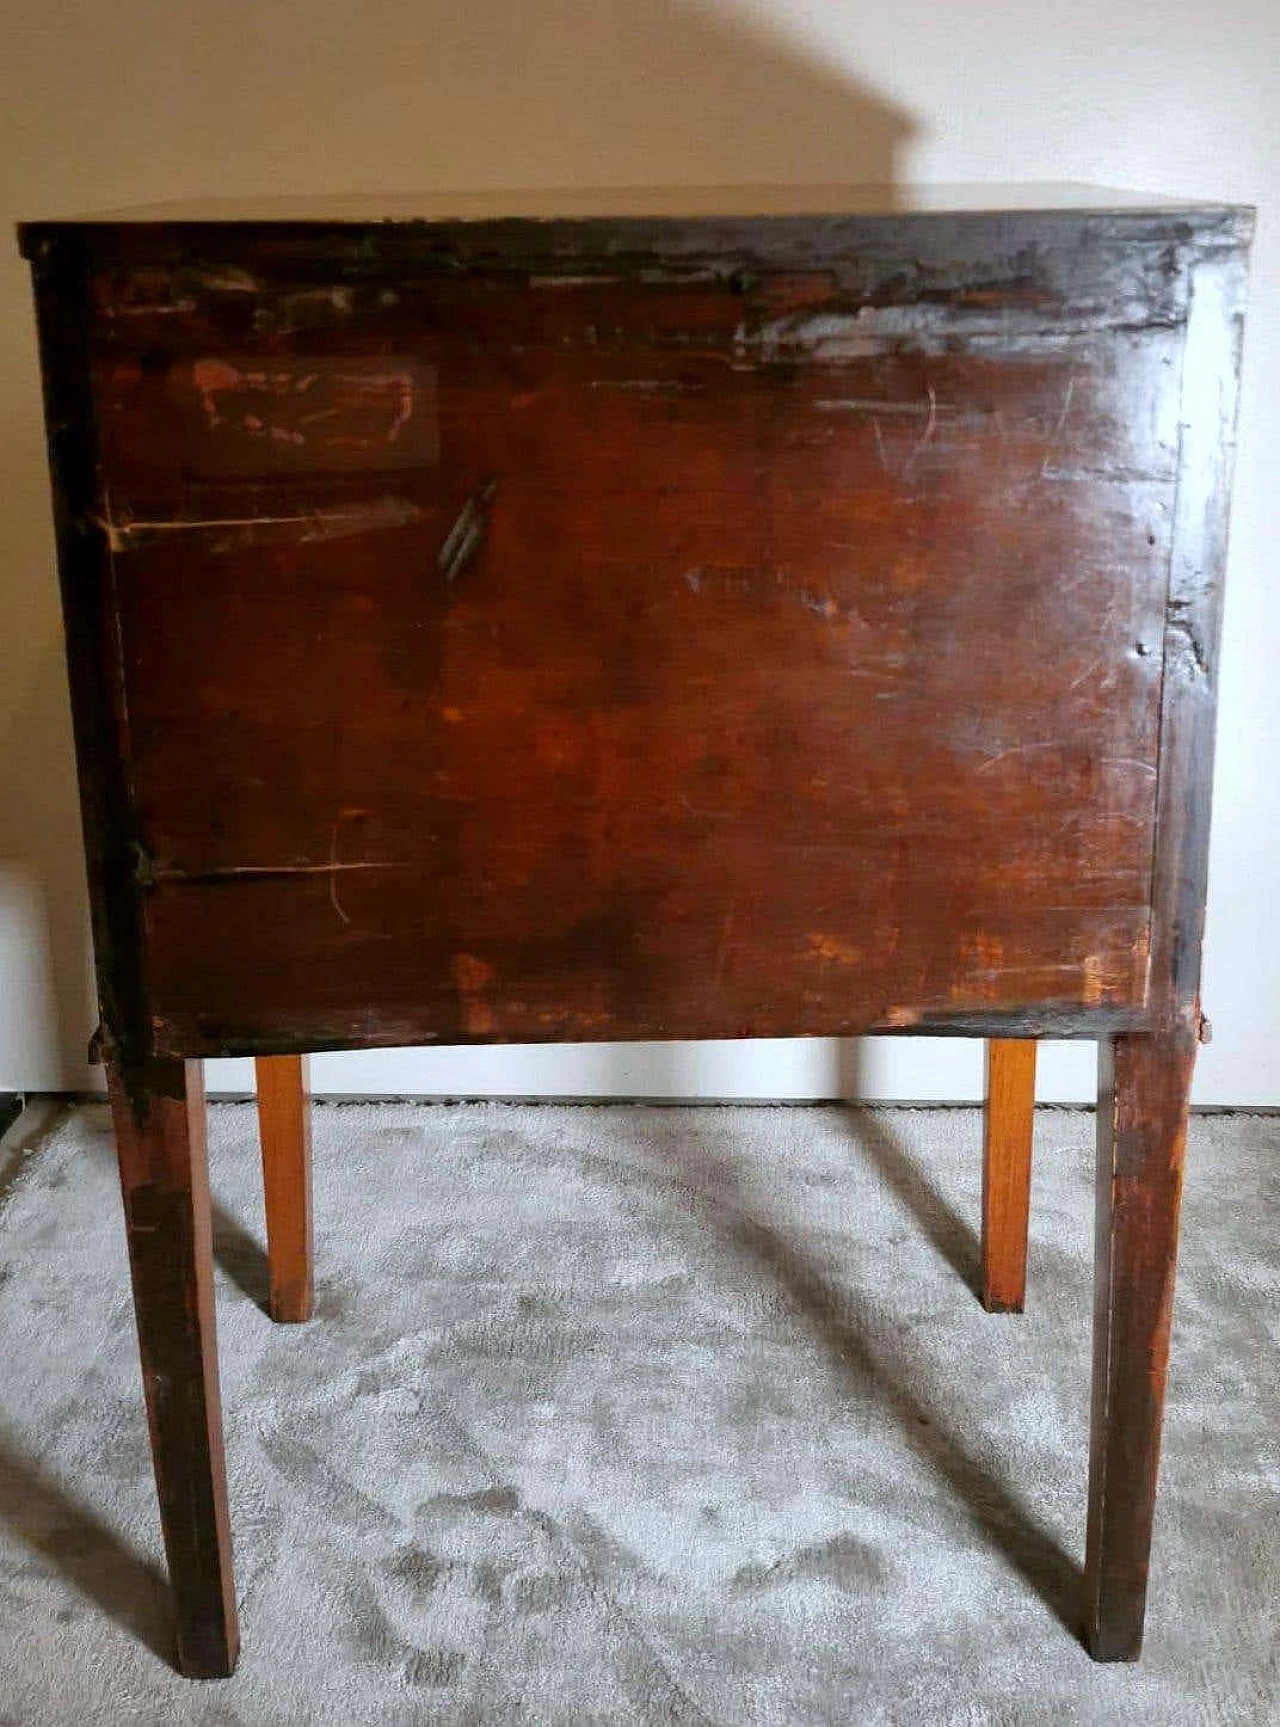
(623, 1414)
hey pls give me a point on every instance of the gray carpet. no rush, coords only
(639, 1415)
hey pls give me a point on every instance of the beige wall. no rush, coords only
(112, 104)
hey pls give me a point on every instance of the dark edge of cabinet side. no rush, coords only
(61, 269)
(1217, 267)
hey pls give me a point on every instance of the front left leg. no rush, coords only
(1144, 1083)
(158, 1110)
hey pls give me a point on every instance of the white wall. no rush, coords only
(143, 99)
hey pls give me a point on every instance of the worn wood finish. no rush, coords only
(1144, 1080)
(1006, 1172)
(663, 626)
(706, 511)
(91, 635)
(284, 1125)
(1142, 1125)
(158, 1111)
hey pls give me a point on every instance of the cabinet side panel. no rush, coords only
(64, 316)
(1218, 275)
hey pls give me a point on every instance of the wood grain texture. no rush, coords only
(284, 1125)
(1008, 1125)
(1207, 409)
(1144, 1080)
(1144, 1083)
(158, 1111)
(663, 576)
(91, 637)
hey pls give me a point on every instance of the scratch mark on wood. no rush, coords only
(1129, 762)
(317, 524)
(334, 901)
(880, 451)
(1059, 424)
(873, 405)
(151, 310)
(1058, 744)
(926, 436)
(1016, 750)
(463, 539)
(1086, 674)
(168, 876)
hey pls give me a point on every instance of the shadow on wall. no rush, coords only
(406, 97)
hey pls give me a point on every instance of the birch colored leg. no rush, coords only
(1142, 1124)
(284, 1123)
(158, 1110)
(1006, 1172)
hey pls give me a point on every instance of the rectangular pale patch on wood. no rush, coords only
(259, 417)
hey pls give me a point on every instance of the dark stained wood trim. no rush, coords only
(1217, 280)
(1143, 1087)
(159, 1114)
(941, 249)
(1145, 1079)
(64, 317)
(1073, 1024)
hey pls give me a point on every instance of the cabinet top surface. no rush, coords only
(643, 202)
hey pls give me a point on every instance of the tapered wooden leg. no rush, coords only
(1006, 1172)
(158, 1109)
(284, 1123)
(1142, 1124)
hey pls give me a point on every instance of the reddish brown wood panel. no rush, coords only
(651, 673)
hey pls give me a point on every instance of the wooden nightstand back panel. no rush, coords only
(645, 627)
(625, 629)
(631, 651)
